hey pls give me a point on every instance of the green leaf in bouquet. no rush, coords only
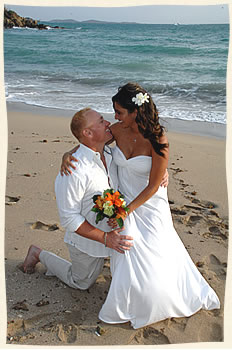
(109, 190)
(95, 210)
(120, 222)
(99, 217)
(95, 197)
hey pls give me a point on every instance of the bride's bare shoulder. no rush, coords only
(115, 129)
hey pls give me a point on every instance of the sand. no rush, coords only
(42, 310)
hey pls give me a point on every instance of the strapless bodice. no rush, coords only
(138, 164)
(133, 173)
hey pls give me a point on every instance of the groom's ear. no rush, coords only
(87, 133)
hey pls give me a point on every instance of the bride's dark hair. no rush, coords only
(147, 117)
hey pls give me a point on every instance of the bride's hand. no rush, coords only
(165, 182)
(67, 164)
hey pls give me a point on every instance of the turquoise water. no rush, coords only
(182, 66)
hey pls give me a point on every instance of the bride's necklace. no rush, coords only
(134, 137)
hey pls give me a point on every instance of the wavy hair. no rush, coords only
(147, 117)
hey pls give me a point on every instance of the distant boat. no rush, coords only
(177, 24)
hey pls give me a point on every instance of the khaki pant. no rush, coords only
(80, 273)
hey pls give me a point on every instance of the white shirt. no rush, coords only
(74, 197)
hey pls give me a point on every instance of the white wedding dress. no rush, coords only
(156, 279)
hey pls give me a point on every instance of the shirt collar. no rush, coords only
(89, 153)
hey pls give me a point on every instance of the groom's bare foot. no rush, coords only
(31, 259)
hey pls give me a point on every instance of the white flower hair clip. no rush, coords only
(140, 98)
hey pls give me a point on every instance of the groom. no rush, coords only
(87, 244)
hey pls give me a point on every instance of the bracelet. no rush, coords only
(105, 236)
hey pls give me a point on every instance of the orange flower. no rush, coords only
(108, 198)
(114, 198)
(99, 202)
(118, 202)
(116, 194)
(121, 213)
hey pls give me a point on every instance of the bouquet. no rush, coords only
(110, 204)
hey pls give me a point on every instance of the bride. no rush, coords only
(156, 279)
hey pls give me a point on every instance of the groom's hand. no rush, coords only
(118, 242)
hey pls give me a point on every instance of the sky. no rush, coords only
(154, 14)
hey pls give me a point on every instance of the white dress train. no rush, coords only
(156, 279)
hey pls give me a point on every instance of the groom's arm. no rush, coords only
(112, 239)
(69, 195)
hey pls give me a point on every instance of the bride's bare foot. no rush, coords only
(31, 259)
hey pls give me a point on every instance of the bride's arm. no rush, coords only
(159, 166)
(66, 163)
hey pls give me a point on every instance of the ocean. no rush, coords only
(183, 67)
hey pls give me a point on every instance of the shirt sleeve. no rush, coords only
(69, 196)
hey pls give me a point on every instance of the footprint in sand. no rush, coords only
(151, 336)
(205, 326)
(217, 230)
(178, 211)
(177, 170)
(193, 219)
(67, 333)
(11, 200)
(217, 266)
(177, 323)
(208, 204)
(203, 203)
(20, 305)
(214, 230)
(212, 263)
(38, 225)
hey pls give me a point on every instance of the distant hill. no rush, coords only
(62, 20)
(95, 21)
(87, 21)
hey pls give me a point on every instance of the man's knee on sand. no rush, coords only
(85, 276)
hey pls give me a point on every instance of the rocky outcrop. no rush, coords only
(12, 19)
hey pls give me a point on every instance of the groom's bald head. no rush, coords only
(79, 122)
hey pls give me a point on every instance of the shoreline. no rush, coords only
(192, 127)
